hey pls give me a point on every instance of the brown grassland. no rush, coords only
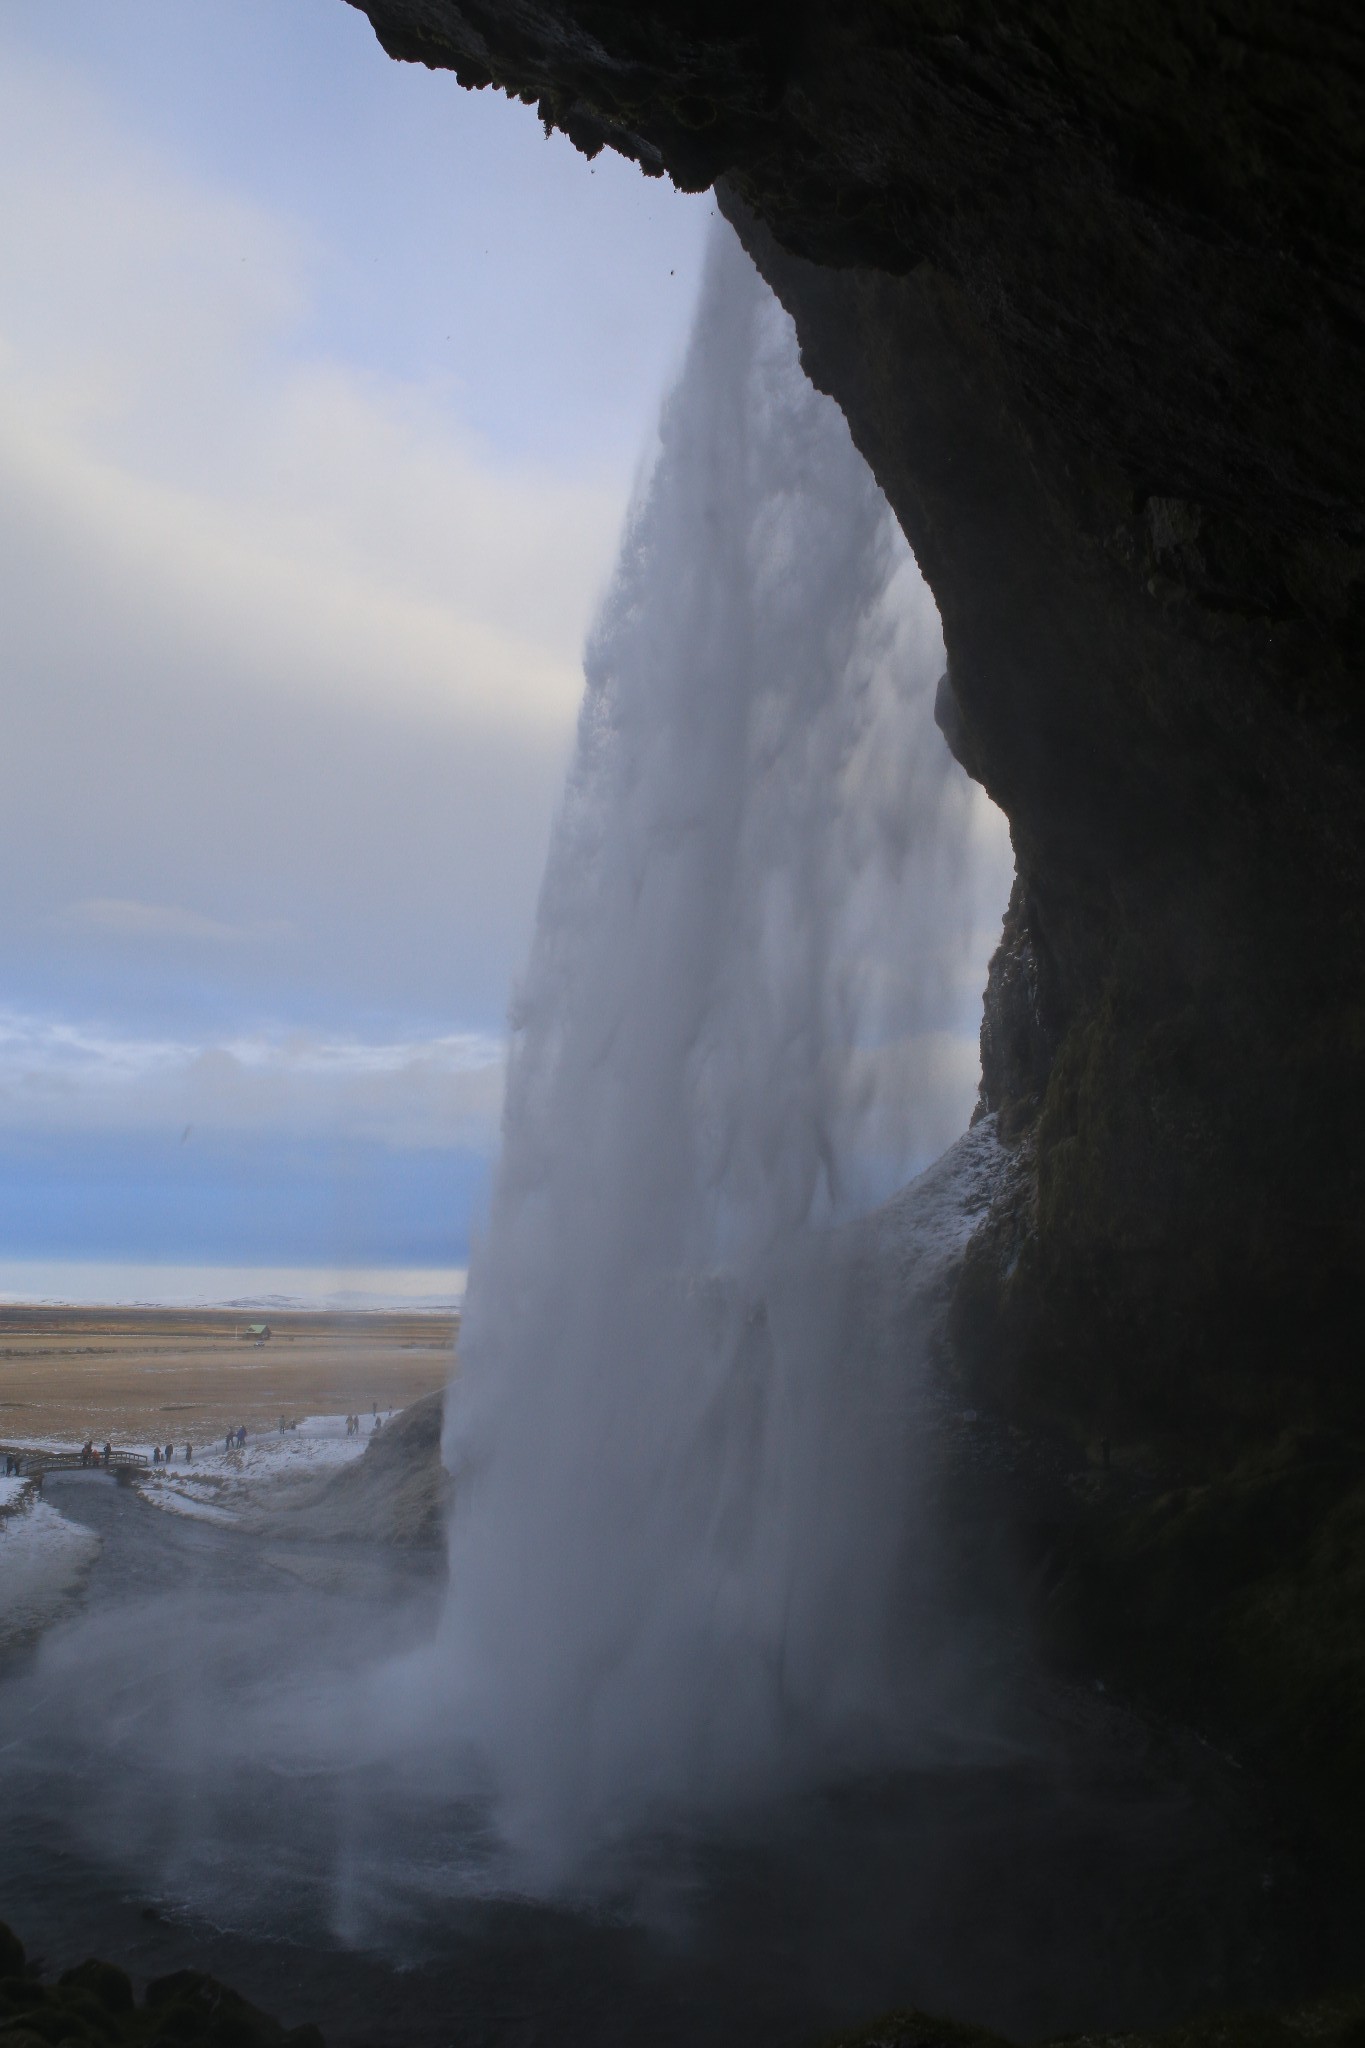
(139, 1376)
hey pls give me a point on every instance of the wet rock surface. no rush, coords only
(1236, 1601)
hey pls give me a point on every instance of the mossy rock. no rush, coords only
(193, 2008)
(17, 1994)
(104, 1983)
(58, 2019)
(93, 2006)
(1238, 1605)
(918, 2030)
(1335, 2023)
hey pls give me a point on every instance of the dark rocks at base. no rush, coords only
(1335, 2023)
(1235, 1602)
(109, 1986)
(93, 2006)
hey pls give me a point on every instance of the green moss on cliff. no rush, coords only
(1239, 1604)
(1183, 1266)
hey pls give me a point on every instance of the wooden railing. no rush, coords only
(33, 1463)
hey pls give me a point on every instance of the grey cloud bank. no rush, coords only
(121, 918)
(291, 617)
(418, 1093)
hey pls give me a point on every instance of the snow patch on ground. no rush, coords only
(188, 1500)
(219, 1484)
(43, 1563)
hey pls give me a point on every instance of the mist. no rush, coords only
(686, 1536)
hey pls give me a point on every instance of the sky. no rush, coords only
(323, 389)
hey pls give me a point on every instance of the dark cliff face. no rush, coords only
(1173, 1016)
(1089, 283)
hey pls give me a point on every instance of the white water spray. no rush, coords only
(684, 1536)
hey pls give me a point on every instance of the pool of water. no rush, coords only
(162, 1808)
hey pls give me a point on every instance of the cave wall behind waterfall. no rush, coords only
(1177, 1009)
(1089, 284)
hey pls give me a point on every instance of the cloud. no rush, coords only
(108, 1282)
(288, 653)
(321, 597)
(120, 918)
(432, 1093)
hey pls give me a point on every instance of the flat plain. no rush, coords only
(146, 1375)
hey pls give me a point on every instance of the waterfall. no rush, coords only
(686, 1523)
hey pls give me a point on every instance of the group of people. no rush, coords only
(164, 1454)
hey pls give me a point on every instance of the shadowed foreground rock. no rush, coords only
(1335, 2023)
(93, 2006)
(1237, 1604)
